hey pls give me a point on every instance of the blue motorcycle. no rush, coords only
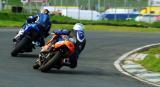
(27, 38)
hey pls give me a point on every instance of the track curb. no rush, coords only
(118, 63)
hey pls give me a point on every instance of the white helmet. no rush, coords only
(45, 11)
(78, 26)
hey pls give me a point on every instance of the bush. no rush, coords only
(67, 20)
(156, 25)
(13, 16)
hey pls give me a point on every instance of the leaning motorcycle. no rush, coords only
(26, 39)
(54, 52)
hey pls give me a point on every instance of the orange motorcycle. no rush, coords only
(54, 52)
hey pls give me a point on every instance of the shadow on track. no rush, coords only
(28, 55)
(86, 72)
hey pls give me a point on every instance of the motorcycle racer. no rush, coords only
(41, 21)
(78, 36)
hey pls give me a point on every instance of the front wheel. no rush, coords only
(48, 64)
(36, 65)
(19, 46)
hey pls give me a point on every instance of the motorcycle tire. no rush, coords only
(19, 46)
(49, 64)
(36, 66)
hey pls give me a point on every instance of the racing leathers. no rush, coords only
(78, 37)
(42, 21)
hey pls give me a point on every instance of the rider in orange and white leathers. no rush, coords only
(78, 36)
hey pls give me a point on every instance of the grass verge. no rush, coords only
(6, 23)
(151, 62)
(151, 51)
(109, 28)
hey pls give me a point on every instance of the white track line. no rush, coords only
(118, 63)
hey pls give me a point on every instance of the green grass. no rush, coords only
(109, 28)
(154, 50)
(151, 63)
(5, 23)
(13, 16)
(15, 2)
(21, 17)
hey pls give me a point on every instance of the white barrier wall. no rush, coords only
(74, 12)
(60, 8)
(82, 14)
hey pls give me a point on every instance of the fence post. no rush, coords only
(99, 5)
(0, 5)
(150, 5)
(61, 3)
(115, 7)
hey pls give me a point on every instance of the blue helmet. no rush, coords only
(30, 19)
(60, 32)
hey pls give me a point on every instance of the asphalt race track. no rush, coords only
(95, 68)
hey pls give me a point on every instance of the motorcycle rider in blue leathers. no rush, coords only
(42, 22)
(78, 37)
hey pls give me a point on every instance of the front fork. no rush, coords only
(45, 54)
(19, 35)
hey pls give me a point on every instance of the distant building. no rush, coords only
(119, 14)
(155, 10)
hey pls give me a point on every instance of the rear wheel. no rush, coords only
(50, 61)
(19, 46)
